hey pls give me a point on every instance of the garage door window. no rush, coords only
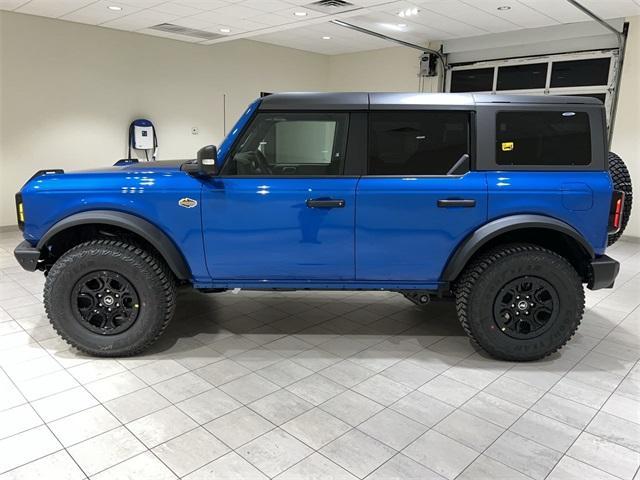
(472, 80)
(543, 138)
(580, 73)
(417, 143)
(308, 144)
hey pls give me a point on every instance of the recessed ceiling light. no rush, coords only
(402, 25)
(504, 7)
(300, 14)
(225, 30)
(115, 8)
(326, 37)
(408, 12)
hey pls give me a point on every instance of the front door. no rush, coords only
(281, 208)
(412, 210)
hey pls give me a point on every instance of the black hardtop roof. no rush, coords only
(365, 101)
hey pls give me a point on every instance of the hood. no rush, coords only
(129, 166)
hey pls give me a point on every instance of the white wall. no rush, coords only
(626, 133)
(69, 91)
(393, 69)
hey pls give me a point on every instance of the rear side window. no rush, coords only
(546, 138)
(417, 143)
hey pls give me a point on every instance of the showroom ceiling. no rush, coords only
(304, 24)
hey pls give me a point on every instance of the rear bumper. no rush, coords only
(603, 271)
(27, 256)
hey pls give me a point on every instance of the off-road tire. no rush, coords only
(149, 275)
(621, 181)
(481, 281)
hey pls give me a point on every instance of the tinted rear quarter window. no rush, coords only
(417, 143)
(544, 138)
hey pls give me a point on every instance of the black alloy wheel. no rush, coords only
(526, 307)
(106, 302)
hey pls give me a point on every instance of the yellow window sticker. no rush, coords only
(507, 146)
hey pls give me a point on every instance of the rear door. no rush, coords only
(410, 213)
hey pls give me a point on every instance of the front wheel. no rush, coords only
(520, 302)
(109, 298)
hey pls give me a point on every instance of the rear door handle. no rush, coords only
(456, 202)
(325, 203)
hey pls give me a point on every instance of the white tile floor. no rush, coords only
(318, 385)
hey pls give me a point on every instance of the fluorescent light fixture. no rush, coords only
(504, 8)
(402, 25)
(115, 8)
(225, 30)
(326, 37)
(408, 12)
(300, 14)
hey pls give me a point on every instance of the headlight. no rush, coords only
(20, 211)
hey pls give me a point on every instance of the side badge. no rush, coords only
(187, 202)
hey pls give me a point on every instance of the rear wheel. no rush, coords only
(109, 298)
(621, 181)
(520, 302)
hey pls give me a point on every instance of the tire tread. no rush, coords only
(115, 247)
(464, 287)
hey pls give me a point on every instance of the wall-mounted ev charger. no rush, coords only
(142, 136)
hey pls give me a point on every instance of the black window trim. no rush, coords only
(344, 170)
(472, 142)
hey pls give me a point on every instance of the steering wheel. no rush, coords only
(263, 165)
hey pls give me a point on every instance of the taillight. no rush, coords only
(616, 211)
(20, 211)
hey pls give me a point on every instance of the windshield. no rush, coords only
(235, 131)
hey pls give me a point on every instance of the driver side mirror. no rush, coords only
(205, 163)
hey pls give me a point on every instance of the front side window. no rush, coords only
(417, 143)
(543, 138)
(309, 144)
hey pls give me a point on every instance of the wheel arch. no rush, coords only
(541, 230)
(119, 222)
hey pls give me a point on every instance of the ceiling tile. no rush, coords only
(140, 20)
(518, 13)
(269, 6)
(98, 13)
(176, 9)
(11, 4)
(203, 4)
(468, 14)
(49, 8)
(562, 12)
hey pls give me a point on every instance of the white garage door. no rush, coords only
(581, 73)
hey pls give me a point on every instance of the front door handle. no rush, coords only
(456, 202)
(325, 203)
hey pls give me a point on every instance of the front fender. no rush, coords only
(152, 234)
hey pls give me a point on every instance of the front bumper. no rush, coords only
(27, 256)
(603, 271)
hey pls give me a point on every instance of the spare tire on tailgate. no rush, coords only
(621, 181)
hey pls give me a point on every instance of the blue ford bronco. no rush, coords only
(504, 203)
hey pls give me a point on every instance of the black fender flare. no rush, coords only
(152, 234)
(468, 247)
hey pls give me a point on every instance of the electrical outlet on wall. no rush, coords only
(194, 131)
